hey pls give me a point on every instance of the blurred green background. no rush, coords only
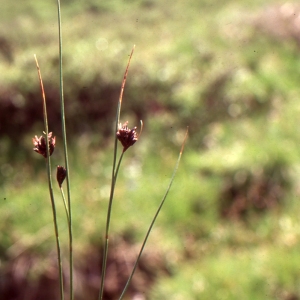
(230, 70)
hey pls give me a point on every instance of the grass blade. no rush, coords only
(155, 217)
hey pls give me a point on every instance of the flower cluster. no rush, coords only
(61, 174)
(40, 144)
(126, 136)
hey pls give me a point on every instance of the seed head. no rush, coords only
(61, 174)
(126, 136)
(40, 144)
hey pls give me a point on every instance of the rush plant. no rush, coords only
(45, 146)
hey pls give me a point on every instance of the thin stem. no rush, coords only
(113, 180)
(63, 121)
(154, 218)
(108, 223)
(65, 205)
(68, 216)
(48, 162)
(118, 166)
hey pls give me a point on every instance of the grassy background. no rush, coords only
(230, 227)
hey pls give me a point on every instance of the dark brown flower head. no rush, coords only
(126, 136)
(40, 144)
(61, 174)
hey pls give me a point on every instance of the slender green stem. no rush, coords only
(113, 180)
(154, 219)
(55, 220)
(118, 166)
(67, 214)
(65, 205)
(63, 121)
(48, 162)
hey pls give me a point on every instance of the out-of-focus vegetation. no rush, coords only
(230, 228)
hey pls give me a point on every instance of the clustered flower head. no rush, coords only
(61, 174)
(40, 144)
(126, 136)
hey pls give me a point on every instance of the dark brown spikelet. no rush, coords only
(40, 144)
(126, 136)
(61, 174)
